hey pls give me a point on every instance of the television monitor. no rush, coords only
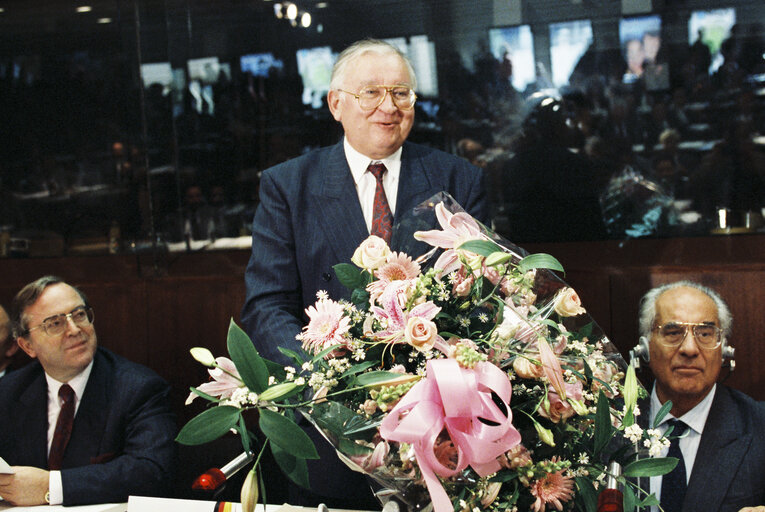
(422, 54)
(715, 28)
(315, 68)
(157, 73)
(517, 45)
(568, 42)
(259, 64)
(640, 39)
(205, 70)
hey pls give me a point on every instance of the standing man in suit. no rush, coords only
(684, 329)
(316, 210)
(79, 425)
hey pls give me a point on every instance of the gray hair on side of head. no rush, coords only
(647, 315)
(363, 47)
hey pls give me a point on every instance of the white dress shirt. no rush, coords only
(366, 182)
(689, 444)
(77, 384)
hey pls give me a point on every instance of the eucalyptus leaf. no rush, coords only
(482, 247)
(284, 433)
(539, 260)
(249, 364)
(295, 468)
(209, 425)
(650, 467)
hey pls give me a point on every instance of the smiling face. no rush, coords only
(686, 373)
(65, 355)
(374, 133)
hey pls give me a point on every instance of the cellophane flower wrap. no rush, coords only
(469, 377)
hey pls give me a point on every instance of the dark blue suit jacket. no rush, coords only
(310, 219)
(123, 435)
(729, 471)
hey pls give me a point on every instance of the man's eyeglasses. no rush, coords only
(708, 336)
(372, 96)
(55, 325)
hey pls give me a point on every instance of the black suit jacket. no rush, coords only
(122, 439)
(729, 471)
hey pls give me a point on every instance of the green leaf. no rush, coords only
(373, 378)
(249, 364)
(587, 494)
(204, 395)
(497, 258)
(244, 434)
(358, 368)
(603, 427)
(333, 417)
(650, 467)
(284, 433)
(650, 501)
(209, 425)
(295, 468)
(663, 411)
(630, 500)
(297, 358)
(352, 449)
(482, 247)
(539, 260)
(275, 369)
(350, 276)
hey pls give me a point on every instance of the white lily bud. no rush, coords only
(203, 356)
(249, 496)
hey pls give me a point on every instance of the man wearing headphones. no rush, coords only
(684, 328)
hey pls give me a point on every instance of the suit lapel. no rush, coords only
(33, 422)
(89, 423)
(723, 445)
(334, 192)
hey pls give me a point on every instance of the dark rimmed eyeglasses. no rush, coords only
(372, 96)
(673, 334)
(56, 324)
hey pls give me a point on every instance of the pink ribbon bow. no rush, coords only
(455, 398)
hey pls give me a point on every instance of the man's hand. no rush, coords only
(753, 509)
(26, 487)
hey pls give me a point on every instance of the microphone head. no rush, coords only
(209, 480)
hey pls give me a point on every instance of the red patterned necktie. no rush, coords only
(382, 218)
(63, 427)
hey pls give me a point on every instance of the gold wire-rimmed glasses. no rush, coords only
(56, 324)
(672, 334)
(372, 96)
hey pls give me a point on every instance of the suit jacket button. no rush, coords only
(326, 276)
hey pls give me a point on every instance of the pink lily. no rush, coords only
(225, 380)
(552, 367)
(456, 229)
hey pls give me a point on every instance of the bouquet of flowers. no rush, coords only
(478, 383)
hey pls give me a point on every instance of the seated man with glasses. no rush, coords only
(315, 210)
(684, 329)
(81, 424)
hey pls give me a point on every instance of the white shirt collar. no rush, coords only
(695, 418)
(359, 162)
(78, 383)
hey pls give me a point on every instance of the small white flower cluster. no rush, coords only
(656, 443)
(463, 320)
(328, 378)
(577, 346)
(634, 433)
(241, 397)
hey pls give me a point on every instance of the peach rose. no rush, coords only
(568, 303)
(371, 254)
(420, 333)
(525, 369)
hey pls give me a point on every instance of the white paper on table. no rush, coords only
(5, 468)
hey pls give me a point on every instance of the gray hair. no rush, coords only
(647, 316)
(360, 48)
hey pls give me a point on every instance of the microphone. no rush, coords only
(214, 478)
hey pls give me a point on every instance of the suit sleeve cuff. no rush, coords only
(55, 488)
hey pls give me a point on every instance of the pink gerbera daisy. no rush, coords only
(553, 489)
(398, 267)
(327, 326)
